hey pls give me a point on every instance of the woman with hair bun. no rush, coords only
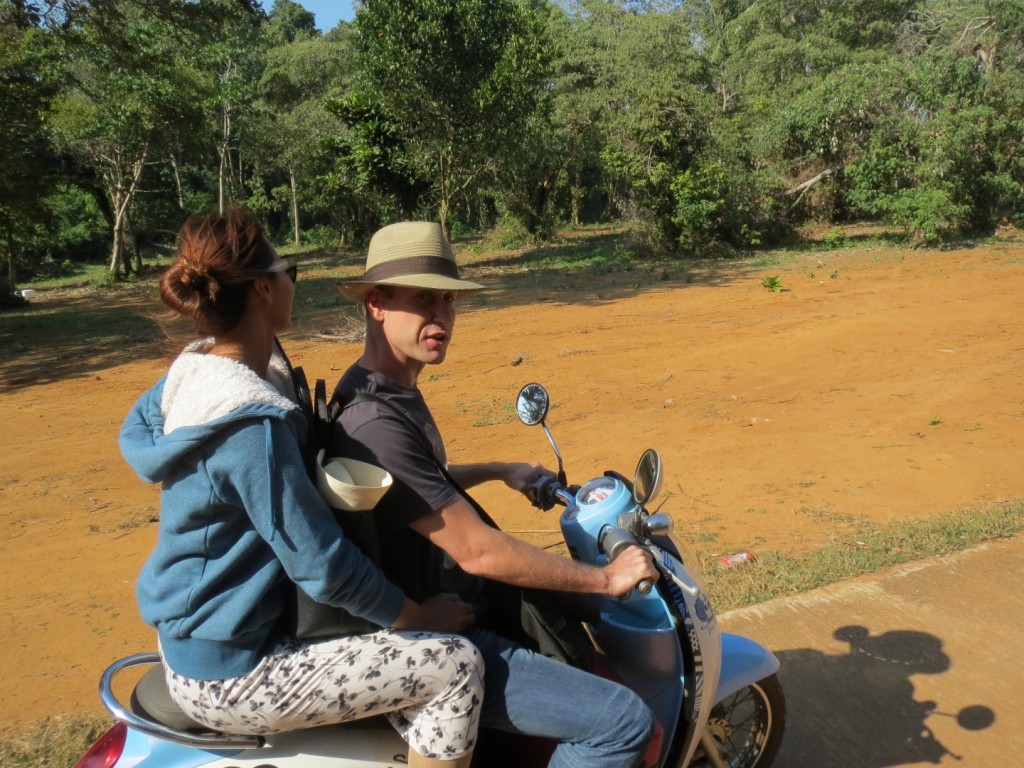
(240, 520)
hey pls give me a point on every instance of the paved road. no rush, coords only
(921, 665)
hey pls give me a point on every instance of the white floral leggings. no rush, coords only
(429, 686)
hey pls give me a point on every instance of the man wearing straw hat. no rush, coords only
(428, 527)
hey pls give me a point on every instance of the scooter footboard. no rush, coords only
(743, 662)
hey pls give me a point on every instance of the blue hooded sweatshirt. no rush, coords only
(238, 517)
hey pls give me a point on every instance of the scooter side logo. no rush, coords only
(669, 565)
(705, 613)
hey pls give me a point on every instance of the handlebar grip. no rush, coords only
(541, 493)
(612, 541)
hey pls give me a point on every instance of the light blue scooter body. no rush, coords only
(644, 641)
(744, 661)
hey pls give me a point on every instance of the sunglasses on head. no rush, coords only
(288, 265)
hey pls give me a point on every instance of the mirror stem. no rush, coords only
(558, 454)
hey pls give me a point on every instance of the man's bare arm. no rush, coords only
(485, 551)
(516, 475)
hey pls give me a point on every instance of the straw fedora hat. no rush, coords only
(349, 484)
(414, 254)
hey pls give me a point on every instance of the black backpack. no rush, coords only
(304, 617)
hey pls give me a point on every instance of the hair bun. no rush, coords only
(198, 280)
(218, 257)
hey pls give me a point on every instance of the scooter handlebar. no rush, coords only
(545, 492)
(612, 542)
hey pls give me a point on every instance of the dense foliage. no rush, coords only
(703, 124)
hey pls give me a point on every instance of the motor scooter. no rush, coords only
(716, 696)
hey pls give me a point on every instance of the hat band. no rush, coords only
(413, 265)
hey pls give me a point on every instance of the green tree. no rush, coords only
(374, 162)
(300, 80)
(289, 22)
(567, 131)
(26, 86)
(639, 77)
(233, 56)
(130, 92)
(460, 77)
(944, 162)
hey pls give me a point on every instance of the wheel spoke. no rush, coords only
(744, 728)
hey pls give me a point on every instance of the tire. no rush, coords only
(747, 726)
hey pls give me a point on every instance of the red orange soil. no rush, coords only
(876, 386)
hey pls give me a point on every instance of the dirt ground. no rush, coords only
(876, 385)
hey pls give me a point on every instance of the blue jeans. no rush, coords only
(598, 723)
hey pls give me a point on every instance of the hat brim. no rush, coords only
(355, 290)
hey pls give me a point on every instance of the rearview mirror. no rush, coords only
(647, 479)
(532, 404)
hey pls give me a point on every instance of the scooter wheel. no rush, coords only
(747, 726)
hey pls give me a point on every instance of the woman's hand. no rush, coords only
(448, 613)
(442, 612)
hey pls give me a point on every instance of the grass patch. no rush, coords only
(858, 552)
(70, 275)
(769, 259)
(52, 742)
(491, 412)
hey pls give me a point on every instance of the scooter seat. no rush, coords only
(152, 700)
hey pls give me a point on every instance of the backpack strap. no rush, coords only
(421, 437)
(303, 398)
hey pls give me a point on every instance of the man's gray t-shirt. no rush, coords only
(376, 433)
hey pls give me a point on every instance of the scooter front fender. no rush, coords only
(743, 662)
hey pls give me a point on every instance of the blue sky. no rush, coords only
(328, 12)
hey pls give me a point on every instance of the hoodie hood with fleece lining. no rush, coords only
(184, 411)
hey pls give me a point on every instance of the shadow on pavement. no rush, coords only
(857, 710)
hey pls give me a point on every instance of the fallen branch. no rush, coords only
(803, 186)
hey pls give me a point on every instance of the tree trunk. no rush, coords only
(442, 215)
(239, 176)
(177, 181)
(444, 207)
(224, 176)
(122, 197)
(295, 206)
(576, 194)
(115, 251)
(803, 186)
(224, 173)
(7, 284)
(8, 281)
(132, 246)
(220, 177)
(538, 207)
